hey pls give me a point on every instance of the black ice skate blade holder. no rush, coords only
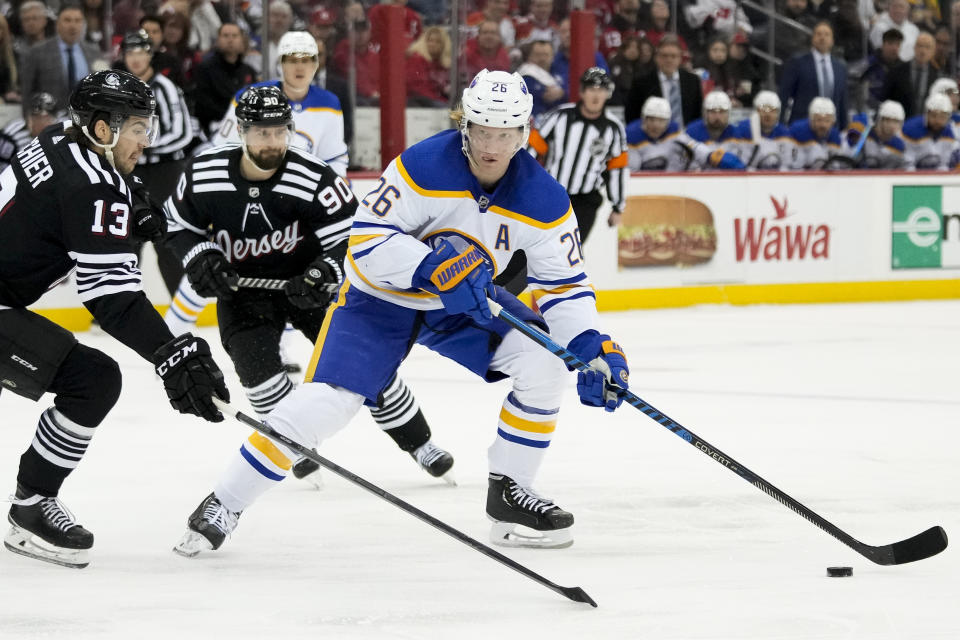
(575, 594)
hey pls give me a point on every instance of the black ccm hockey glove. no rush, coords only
(149, 221)
(317, 286)
(209, 272)
(191, 377)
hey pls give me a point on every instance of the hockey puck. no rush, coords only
(839, 572)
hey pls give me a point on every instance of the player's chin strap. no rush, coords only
(107, 148)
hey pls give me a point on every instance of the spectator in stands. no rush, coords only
(848, 31)
(680, 87)
(336, 85)
(714, 129)
(929, 137)
(33, 26)
(95, 33)
(788, 40)
(659, 24)
(746, 76)
(815, 73)
(538, 24)
(498, 12)
(428, 69)
(716, 74)
(281, 21)
(163, 61)
(718, 17)
(948, 87)
(817, 137)
(176, 30)
(9, 81)
(896, 17)
(873, 81)
(322, 26)
(909, 83)
(944, 50)
(633, 59)
(220, 75)
(412, 22)
(884, 147)
(560, 68)
(57, 64)
(204, 24)
(764, 142)
(546, 89)
(624, 22)
(486, 51)
(367, 60)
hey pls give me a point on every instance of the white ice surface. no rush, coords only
(851, 409)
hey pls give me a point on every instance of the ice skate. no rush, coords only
(435, 461)
(521, 518)
(207, 527)
(42, 528)
(309, 471)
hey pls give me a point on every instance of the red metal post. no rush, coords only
(393, 86)
(583, 48)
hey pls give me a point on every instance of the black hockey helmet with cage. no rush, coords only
(596, 77)
(264, 106)
(136, 41)
(42, 103)
(112, 96)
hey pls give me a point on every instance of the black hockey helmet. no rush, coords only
(42, 103)
(264, 106)
(137, 40)
(596, 77)
(111, 96)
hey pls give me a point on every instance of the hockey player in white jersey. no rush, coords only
(714, 130)
(883, 148)
(948, 87)
(929, 137)
(817, 137)
(655, 143)
(444, 217)
(764, 142)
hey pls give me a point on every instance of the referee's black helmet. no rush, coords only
(596, 77)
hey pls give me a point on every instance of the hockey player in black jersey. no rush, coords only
(41, 113)
(64, 206)
(266, 210)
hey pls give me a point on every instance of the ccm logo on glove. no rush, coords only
(173, 360)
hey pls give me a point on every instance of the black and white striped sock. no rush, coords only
(265, 396)
(400, 417)
(59, 440)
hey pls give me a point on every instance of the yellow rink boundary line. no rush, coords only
(78, 319)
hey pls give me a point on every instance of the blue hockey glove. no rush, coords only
(723, 160)
(461, 280)
(512, 304)
(609, 376)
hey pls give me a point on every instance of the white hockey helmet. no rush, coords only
(938, 102)
(767, 99)
(943, 85)
(656, 107)
(297, 43)
(717, 101)
(891, 109)
(821, 106)
(496, 99)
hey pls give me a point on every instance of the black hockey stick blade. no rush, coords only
(921, 546)
(576, 594)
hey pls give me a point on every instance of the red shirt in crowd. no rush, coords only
(477, 61)
(413, 24)
(368, 67)
(427, 78)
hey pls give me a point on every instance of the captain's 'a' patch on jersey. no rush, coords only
(256, 218)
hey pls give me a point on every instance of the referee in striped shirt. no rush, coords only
(585, 148)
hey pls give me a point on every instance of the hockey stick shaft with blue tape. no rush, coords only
(921, 546)
(573, 593)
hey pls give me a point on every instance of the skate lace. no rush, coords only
(530, 501)
(428, 454)
(220, 517)
(58, 515)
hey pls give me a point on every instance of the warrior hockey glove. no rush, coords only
(608, 377)
(149, 221)
(191, 377)
(724, 160)
(208, 270)
(316, 286)
(461, 280)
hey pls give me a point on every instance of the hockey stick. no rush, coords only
(573, 593)
(923, 545)
(275, 284)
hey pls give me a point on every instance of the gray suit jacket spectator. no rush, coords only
(42, 69)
